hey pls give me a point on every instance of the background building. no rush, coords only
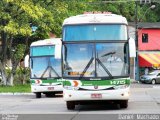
(149, 46)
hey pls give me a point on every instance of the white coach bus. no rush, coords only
(45, 65)
(96, 64)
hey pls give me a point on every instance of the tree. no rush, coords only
(17, 16)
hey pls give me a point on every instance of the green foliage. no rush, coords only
(145, 14)
(17, 15)
(17, 88)
(18, 52)
(49, 15)
(58, 11)
(126, 9)
(22, 76)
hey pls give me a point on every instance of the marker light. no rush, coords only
(126, 94)
(98, 12)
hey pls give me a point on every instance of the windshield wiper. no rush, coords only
(106, 70)
(51, 69)
(86, 68)
(109, 53)
(103, 66)
(67, 67)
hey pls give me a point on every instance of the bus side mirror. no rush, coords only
(58, 51)
(26, 61)
(132, 47)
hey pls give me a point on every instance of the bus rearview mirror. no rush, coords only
(58, 51)
(26, 61)
(132, 47)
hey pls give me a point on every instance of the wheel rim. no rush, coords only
(153, 81)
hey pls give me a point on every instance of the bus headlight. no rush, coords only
(125, 94)
(121, 87)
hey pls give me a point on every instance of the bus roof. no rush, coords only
(95, 19)
(51, 41)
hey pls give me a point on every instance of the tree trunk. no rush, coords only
(4, 47)
(12, 73)
(10, 79)
(3, 57)
(27, 47)
(3, 73)
(24, 79)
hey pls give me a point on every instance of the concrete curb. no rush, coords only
(134, 81)
(9, 93)
(156, 87)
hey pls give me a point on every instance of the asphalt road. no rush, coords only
(144, 99)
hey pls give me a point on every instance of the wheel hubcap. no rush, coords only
(153, 81)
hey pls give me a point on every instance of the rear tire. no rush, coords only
(70, 105)
(38, 95)
(153, 82)
(123, 103)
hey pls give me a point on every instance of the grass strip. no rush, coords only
(16, 88)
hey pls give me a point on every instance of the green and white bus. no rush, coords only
(96, 61)
(45, 65)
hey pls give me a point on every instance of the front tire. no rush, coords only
(153, 82)
(123, 104)
(70, 105)
(38, 95)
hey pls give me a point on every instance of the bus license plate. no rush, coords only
(96, 95)
(50, 88)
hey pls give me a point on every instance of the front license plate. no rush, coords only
(96, 95)
(50, 88)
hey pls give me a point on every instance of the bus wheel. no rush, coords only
(38, 95)
(70, 105)
(123, 103)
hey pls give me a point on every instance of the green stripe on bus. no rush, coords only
(100, 82)
(68, 83)
(48, 81)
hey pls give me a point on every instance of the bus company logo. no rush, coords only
(50, 83)
(38, 81)
(96, 87)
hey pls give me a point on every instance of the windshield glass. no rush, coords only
(112, 57)
(96, 60)
(95, 32)
(154, 73)
(77, 57)
(42, 50)
(45, 67)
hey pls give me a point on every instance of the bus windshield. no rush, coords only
(96, 60)
(94, 32)
(43, 63)
(45, 67)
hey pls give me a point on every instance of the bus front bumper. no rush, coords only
(48, 88)
(75, 95)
